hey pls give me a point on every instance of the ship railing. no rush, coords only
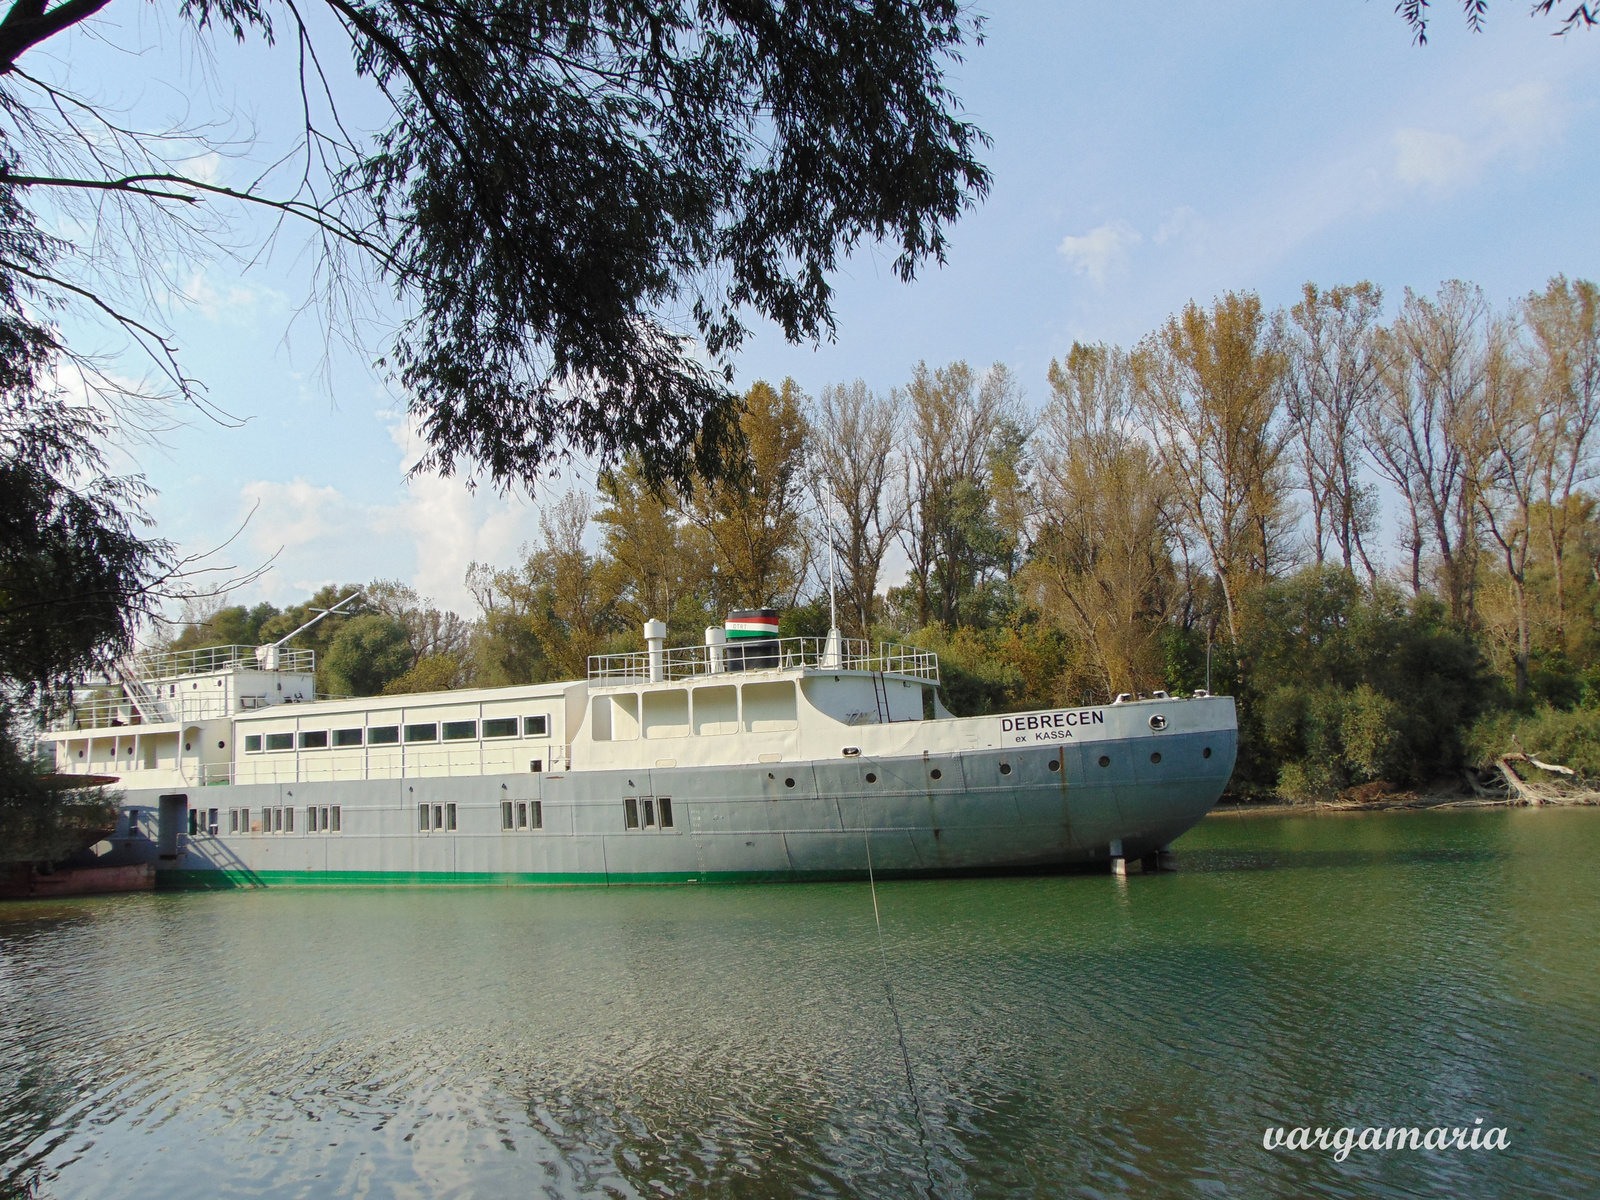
(128, 709)
(206, 660)
(692, 662)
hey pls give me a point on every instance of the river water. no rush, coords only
(1067, 1036)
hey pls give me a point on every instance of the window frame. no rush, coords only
(286, 737)
(538, 726)
(252, 738)
(378, 735)
(501, 721)
(308, 739)
(446, 736)
(340, 736)
(433, 733)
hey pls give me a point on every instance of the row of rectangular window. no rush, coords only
(388, 735)
(521, 814)
(436, 816)
(646, 811)
(319, 818)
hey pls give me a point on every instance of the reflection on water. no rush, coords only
(1068, 1036)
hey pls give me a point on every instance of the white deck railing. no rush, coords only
(208, 659)
(690, 662)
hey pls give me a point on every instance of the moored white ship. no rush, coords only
(756, 758)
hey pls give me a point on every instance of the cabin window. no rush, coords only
(422, 817)
(460, 731)
(383, 735)
(314, 739)
(252, 743)
(438, 816)
(536, 814)
(335, 811)
(666, 714)
(500, 727)
(505, 814)
(664, 811)
(716, 710)
(770, 707)
(630, 813)
(233, 820)
(347, 737)
(649, 807)
(288, 820)
(449, 816)
(280, 741)
(422, 733)
(522, 814)
(194, 821)
(535, 765)
(277, 820)
(535, 726)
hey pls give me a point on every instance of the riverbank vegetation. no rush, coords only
(1204, 508)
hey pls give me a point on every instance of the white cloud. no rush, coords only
(294, 514)
(1181, 222)
(432, 531)
(1515, 122)
(1101, 249)
(235, 302)
(1423, 156)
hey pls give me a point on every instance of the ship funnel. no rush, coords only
(655, 638)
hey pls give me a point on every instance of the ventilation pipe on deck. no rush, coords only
(655, 637)
(716, 640)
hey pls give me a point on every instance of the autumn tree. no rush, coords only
(1563, 324)
(662, 562)
(1506, 437)
(555, 608)
(856, 465)
(1432, 361)
(1208, 387)
(950, 535)
(754, 516)
(1331, 379)
(1102, 561)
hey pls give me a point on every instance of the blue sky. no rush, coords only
(1141, 158)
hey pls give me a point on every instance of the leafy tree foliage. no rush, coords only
(562, 190)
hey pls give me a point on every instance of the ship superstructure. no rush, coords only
(750, 756)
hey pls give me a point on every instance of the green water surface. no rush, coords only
(1074, 1035)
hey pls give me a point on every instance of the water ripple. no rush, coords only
(1069, 1036)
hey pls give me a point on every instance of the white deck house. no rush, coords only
(236, 714)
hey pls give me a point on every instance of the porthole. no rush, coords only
(788, 783)
(1156, 757)
(222, 745)
(871, 778)
(1105, 760)
(186, 746)
(1158, 722)
(80, 753)
(1206, 753)
(1055, 764)
(936, 774)
(1005, 768)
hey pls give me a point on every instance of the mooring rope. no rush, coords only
(899, 1029)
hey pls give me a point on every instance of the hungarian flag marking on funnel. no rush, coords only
(752, 626)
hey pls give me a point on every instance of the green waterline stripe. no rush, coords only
(229, 879)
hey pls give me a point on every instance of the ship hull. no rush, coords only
(980, 811)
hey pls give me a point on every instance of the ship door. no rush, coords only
(170, 819)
